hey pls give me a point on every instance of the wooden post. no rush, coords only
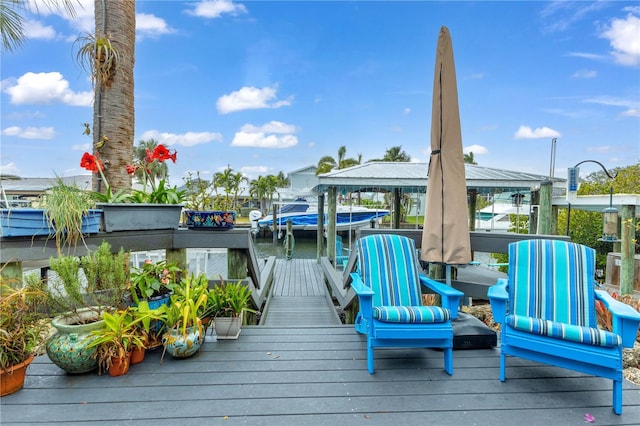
(544, 215)
(275, 224)
(178, 256)
(533, 217)
(237, 263)
(397, 193)
(627, 254)
(320, 229)
(331, 224)
(473, 199)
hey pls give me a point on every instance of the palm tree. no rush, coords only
(230, 183)
(468, 159)
(263, 188)
(113, 110)
(395, 154)
(12, 21)
(328, 163)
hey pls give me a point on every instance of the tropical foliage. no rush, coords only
(328, 163)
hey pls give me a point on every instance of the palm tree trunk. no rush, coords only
(113, 110)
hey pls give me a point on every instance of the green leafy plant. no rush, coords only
(229, 299)
(98, 57)
(187, 303)
(153, 280)
(199, 192)
(20, 325)
(65, 206)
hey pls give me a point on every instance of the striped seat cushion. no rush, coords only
(559, 330)
(411, 314)
(552, 280)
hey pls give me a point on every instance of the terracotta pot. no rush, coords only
(119, 366)
(12, 379)
(137, 355)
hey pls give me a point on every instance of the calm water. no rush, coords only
(304, 247)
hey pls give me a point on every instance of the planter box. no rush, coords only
(139, 216)
(215, 220)
(34, 222)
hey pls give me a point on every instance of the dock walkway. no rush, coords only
(299, 296)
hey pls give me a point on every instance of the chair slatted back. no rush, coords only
(388, 266)
(552, 280)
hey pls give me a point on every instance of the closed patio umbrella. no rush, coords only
(445, 236)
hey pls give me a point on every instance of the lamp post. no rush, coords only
(609, 214)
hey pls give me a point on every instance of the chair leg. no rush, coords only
(503, 367)
(369, 356)
(448, 361)
(617, 396)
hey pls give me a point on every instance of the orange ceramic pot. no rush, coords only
(12, 379)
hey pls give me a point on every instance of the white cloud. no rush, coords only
(81, 147)
(250, 98)
(270, 127)
(406, 111)
(623, 37)
(151, 26)
(30, 132)
(476, 149)
(9, 169)
(35, 30)
(631, 107)
(46, 88)
(253, 170)
(585, 74)
(274, 134)
(215, 9)
(185, 139)
(525, 132)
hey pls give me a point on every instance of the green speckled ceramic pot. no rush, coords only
(68, 347)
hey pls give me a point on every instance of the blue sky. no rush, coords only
(268, 86)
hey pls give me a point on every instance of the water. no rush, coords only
(304, 247)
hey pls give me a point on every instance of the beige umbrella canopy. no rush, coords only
(445, 236)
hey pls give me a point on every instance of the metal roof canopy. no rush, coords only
(412, 178)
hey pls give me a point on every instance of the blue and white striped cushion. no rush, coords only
(558, 330)
(411, 314)
(552, 280)
(388, 266)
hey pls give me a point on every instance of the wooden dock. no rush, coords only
(316, 376)
(299, 296)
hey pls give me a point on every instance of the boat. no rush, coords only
(304, 216)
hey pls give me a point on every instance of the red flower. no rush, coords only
(161, 153)
(150, 157)
(91, 163)
(131, 169)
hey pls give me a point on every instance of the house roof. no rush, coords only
(412, 178)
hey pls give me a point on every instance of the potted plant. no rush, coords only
(185, 332)
(20, 333)
(147, 322)
(67, 212)
(203, 210)
(229, 301)
(114, 341)
(156, 206)
(81, 290)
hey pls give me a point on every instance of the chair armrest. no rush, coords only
(625, 319)
(450, 296)
(498, 297)
(365, 296)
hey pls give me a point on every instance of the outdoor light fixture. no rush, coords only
(610, 214)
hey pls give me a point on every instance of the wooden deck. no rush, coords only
(316, 376)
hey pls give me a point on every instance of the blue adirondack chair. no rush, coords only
(546, 307)
(342, 253)
(388, 285)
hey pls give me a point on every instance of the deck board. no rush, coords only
(316, 376)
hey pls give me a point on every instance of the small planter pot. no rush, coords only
(227, 328)
(183, 346)
(137, 355)
(68, 347)
(12, 379)
(119, 366)
(139, 216)
(213, 220)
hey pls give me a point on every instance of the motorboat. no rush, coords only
(304, 216)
